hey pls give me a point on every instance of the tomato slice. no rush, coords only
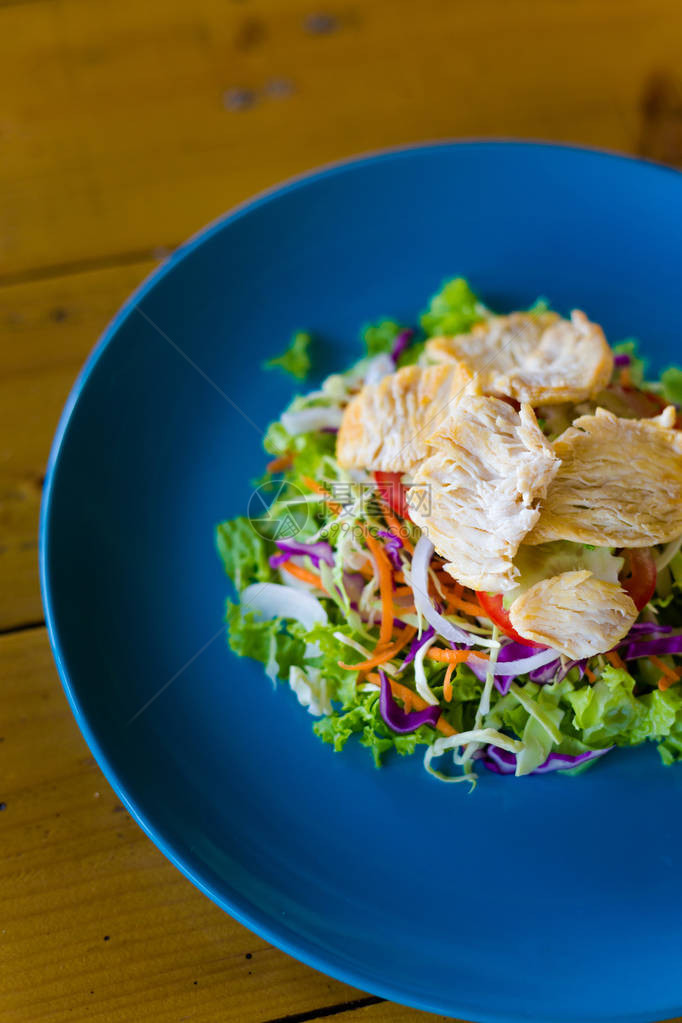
(638, 577)
(393, 491)
(498, 614)
(634, 401)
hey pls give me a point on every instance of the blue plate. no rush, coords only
(549, 898)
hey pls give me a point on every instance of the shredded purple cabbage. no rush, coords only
(317, 552)
(622, 360)
(647, 648)
(417, 643)
(545, 674)
(569, 665)
(354, 584)
(514, 652)
(401, 342)
(396, 718)
(503, 762)
(648, 629)
(552, 672)
(392, 545)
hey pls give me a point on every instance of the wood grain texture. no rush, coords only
(94, 923)
(48, 328)
(127, 125)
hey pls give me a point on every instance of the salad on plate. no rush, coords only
(469, 544)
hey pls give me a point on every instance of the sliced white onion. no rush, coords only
(485, 735)
(484, 702)
(450, 779)
(307, 420)
(422, 685)
(525, 665)
(421, 559)
(272, 600)
(311, 690)
(668, 553)
(379, 367)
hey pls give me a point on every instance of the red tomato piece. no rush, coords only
(642, 404)
(498, 614)
(393, 491)
(638, 577)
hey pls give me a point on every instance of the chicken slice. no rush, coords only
(575, 612)
(619, 485)
(538, 358)
(386, 426)
(478, 493)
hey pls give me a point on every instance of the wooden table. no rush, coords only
(125, 126)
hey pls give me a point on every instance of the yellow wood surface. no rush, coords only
(124, 126)
(94, 922)
(115, 133)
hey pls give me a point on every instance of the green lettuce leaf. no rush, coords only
(311, 451)
(243, 551)
(267, 642)
(671, 380)
(380, 337)
(453, 310)
(296, 359)
(608, 713)
(342, 683)
(365, 721)
(637, 365)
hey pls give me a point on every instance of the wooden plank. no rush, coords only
(127, 125)
(48, 326)
(94, 922)
(389, 1012)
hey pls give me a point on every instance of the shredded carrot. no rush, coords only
(414, 700)
(662, 666)
(277, 464)
(437, 653)
(614, 658)
(402, 591)
(447, 681)
(304, 574)
(590, 674)
(395, 528)
(468, 607)
(367, 570)
(398, 577)
(382, 654)
(668, 675)
(625, 377)
(319, 489)
(405, 609)
(385, 586)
